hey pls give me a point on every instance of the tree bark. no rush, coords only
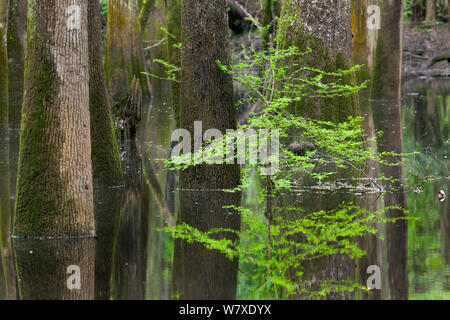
(386, 107)
(325, 27)
(124, 54)
(54, 188)
(206, 91)
(207, 96)
(430, 11)
(364, 39)
(106, 166)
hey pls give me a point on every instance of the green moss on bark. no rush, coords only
(106, 165)
(295, 34)
(124, 53)
(53, 198)
(36, 205)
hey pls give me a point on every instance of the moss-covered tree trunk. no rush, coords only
(325, 27)
(106, 166)
(206, 91)
(124, 55)
(54, 187)
(174, 52)
(207, 96)
(386, 108)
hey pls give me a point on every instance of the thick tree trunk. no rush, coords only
(206, 91)
(207, 96)
(364, 39)
(325, 27)
(386, 107)
(106, 166)
(54, 188)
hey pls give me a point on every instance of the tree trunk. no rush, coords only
(325, 27)
(386, 82)
(207, 91)
(386, 107)
(364, 39)
(207, 96)
(106, 166)
(124, 54)
(54, 188)
(431, 11)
